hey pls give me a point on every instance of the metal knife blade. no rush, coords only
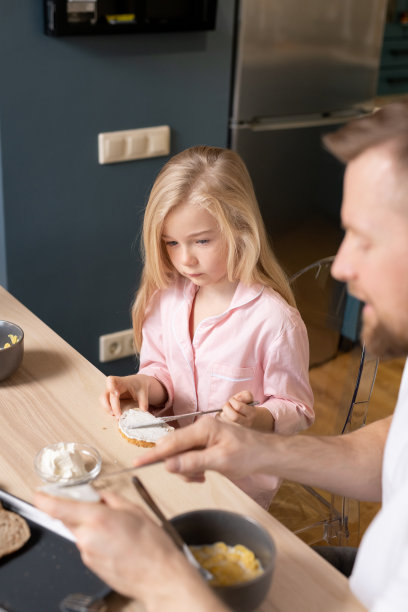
(161, 420)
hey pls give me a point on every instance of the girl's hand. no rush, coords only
(237, 410)
(134, 387)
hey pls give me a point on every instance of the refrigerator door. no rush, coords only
(299, 189)
(295, 58)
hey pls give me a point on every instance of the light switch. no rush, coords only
(136, 146)
(158, 143)
(114, 149)
(133, 144)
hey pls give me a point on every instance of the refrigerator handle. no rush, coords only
(301, 121)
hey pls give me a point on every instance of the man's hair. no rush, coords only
(386, 125)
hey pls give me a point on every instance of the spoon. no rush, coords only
(170, 530)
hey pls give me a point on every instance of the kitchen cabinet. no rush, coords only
(393, 76)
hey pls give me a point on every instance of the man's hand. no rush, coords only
(348, 464)
(209, 444)
(132, 554)
(117, 540)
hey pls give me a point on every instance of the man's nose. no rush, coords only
(342, 268)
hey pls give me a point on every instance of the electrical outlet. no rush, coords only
(116, 346)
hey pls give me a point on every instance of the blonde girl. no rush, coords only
(214, 319)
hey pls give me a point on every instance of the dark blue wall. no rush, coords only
(71, 226)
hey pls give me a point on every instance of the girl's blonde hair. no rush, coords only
(215, 179)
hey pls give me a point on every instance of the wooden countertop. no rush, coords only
(54, 396)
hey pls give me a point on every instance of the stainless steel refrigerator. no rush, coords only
(301, 69)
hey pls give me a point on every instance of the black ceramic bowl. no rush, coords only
(209, 526)
(11, 357)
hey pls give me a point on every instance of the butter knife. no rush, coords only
(161, 420)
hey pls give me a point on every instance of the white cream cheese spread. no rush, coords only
(63, 461)
(132, 418)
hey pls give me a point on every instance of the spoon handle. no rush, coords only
(168, 527)
(144, 493)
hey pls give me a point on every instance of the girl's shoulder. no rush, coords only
(273, 304)
(167, 297)
(271, 296)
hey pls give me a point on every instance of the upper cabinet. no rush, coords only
(393, 78)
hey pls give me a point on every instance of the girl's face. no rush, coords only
(195, 245)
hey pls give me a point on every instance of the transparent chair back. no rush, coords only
(342, 376)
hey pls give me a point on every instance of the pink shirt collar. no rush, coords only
(243, 293)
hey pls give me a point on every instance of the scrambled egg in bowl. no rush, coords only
(238, 551)
(228, 564)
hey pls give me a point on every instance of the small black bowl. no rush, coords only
(11, 357)
(209, 526)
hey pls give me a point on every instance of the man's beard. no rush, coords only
(383, 342)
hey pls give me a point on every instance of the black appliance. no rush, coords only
(76, 17)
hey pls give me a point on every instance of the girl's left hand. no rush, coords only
(237, 410)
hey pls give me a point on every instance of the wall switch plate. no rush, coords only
(126, 145)
(116, 346)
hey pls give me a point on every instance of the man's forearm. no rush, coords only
(348, 465)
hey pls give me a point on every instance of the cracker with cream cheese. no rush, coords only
(146, 437)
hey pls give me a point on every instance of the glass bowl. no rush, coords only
(67, 463)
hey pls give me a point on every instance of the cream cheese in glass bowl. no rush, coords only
(68, 463)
